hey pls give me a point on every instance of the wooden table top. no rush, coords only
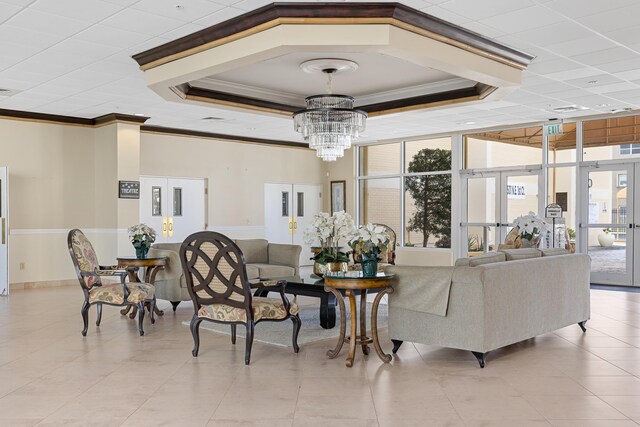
(353, 281)
(147, 262)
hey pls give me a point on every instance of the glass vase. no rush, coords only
(142, 248)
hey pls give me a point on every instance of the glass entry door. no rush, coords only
(608, 225)
(492, 200)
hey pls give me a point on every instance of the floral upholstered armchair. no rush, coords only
(90, 275)
(216, 276)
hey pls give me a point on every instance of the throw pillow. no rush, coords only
(525, 253)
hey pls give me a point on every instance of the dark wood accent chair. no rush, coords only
(90, 275)
(216, 278)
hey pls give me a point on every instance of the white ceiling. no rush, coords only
(73, 57)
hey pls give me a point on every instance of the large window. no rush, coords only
(410, 193)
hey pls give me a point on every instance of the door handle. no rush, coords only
(4, 231)
(295, 225)
(164, 226)
(170, 226)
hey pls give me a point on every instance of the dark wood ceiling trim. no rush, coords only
(117, 117)
(407, 103)
(196, 93)
(43, 117)
(70, 120)
(317, 11)
(220, 136)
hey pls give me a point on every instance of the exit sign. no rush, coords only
(554, 129)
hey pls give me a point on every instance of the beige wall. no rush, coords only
(236, 174)
(343, 169)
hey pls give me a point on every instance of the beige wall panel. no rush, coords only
(343, 169)
(236, 172)
(51, 170)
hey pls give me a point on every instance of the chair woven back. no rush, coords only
(389, 256)
(214, 269)
(83, 256)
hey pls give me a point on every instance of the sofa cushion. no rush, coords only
(524, 253)
(254, 250)
(267, 271)
(487, 259)
(553, 251)
(253, 272)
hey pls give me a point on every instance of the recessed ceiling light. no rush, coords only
(469, 123)
(568, 109)
(179, 7)
(603, 105)
(620, 110)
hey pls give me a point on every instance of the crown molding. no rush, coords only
(104, 120)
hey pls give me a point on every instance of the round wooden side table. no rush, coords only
(132, 265)
(351, 283)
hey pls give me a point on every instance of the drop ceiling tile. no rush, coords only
(190, 10)
(18, 51)
(484, 30)
(142, 22)
(89, 11)
(447, 15)
(619, 66)
(551, 34)
(613, 19)
(578, 8)
(628, 75)
(476, 10)
(594, 81)
(523, 19)
(248, 5)
(109, 36)
(82, 48)
(574, 74)
(580, 46)
(549, 88)
(220, 16)
(606, 56)
(605, 89)
(28, 38)
(625, 94)
(185, 30)
(21, 3)
(553, 66)
(570, 94)
(30, 76)
(41, 22)
(8, 10)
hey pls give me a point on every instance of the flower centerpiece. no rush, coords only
(330, 231)
(530, 228)
(369, 241)
(141, 237)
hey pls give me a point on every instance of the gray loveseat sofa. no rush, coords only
(491, 301)
(263, 260)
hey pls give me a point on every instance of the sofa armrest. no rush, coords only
(283, 254)
(173, 268)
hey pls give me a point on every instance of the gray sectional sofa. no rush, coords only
(263, 260)
(484, 303)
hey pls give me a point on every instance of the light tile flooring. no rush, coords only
(51, 375)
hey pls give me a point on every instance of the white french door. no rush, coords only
(288, 211)
(492, 200)
(174, 207)
(610, 222)
(4, 232)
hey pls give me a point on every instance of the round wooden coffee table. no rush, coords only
(132, 265)
(351, 283)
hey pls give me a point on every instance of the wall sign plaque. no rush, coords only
(129, 189)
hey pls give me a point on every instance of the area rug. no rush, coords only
(279, 333)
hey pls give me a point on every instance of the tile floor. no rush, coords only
(50, 375)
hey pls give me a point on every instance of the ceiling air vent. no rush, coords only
(568, 109)
(8, 92)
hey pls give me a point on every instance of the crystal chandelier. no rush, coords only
(329, 124)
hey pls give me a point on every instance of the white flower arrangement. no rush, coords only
(329, 231)
(530, 225)
(142, 233)
(371, 239)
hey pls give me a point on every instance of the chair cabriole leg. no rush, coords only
(140, 317)
(480, 357)
(99, 309)
(85, 317)
(152, 308)
(233, 334)
(195, 332)
(247, 349)
(582, 325)
(297, 324)
(396, 345)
